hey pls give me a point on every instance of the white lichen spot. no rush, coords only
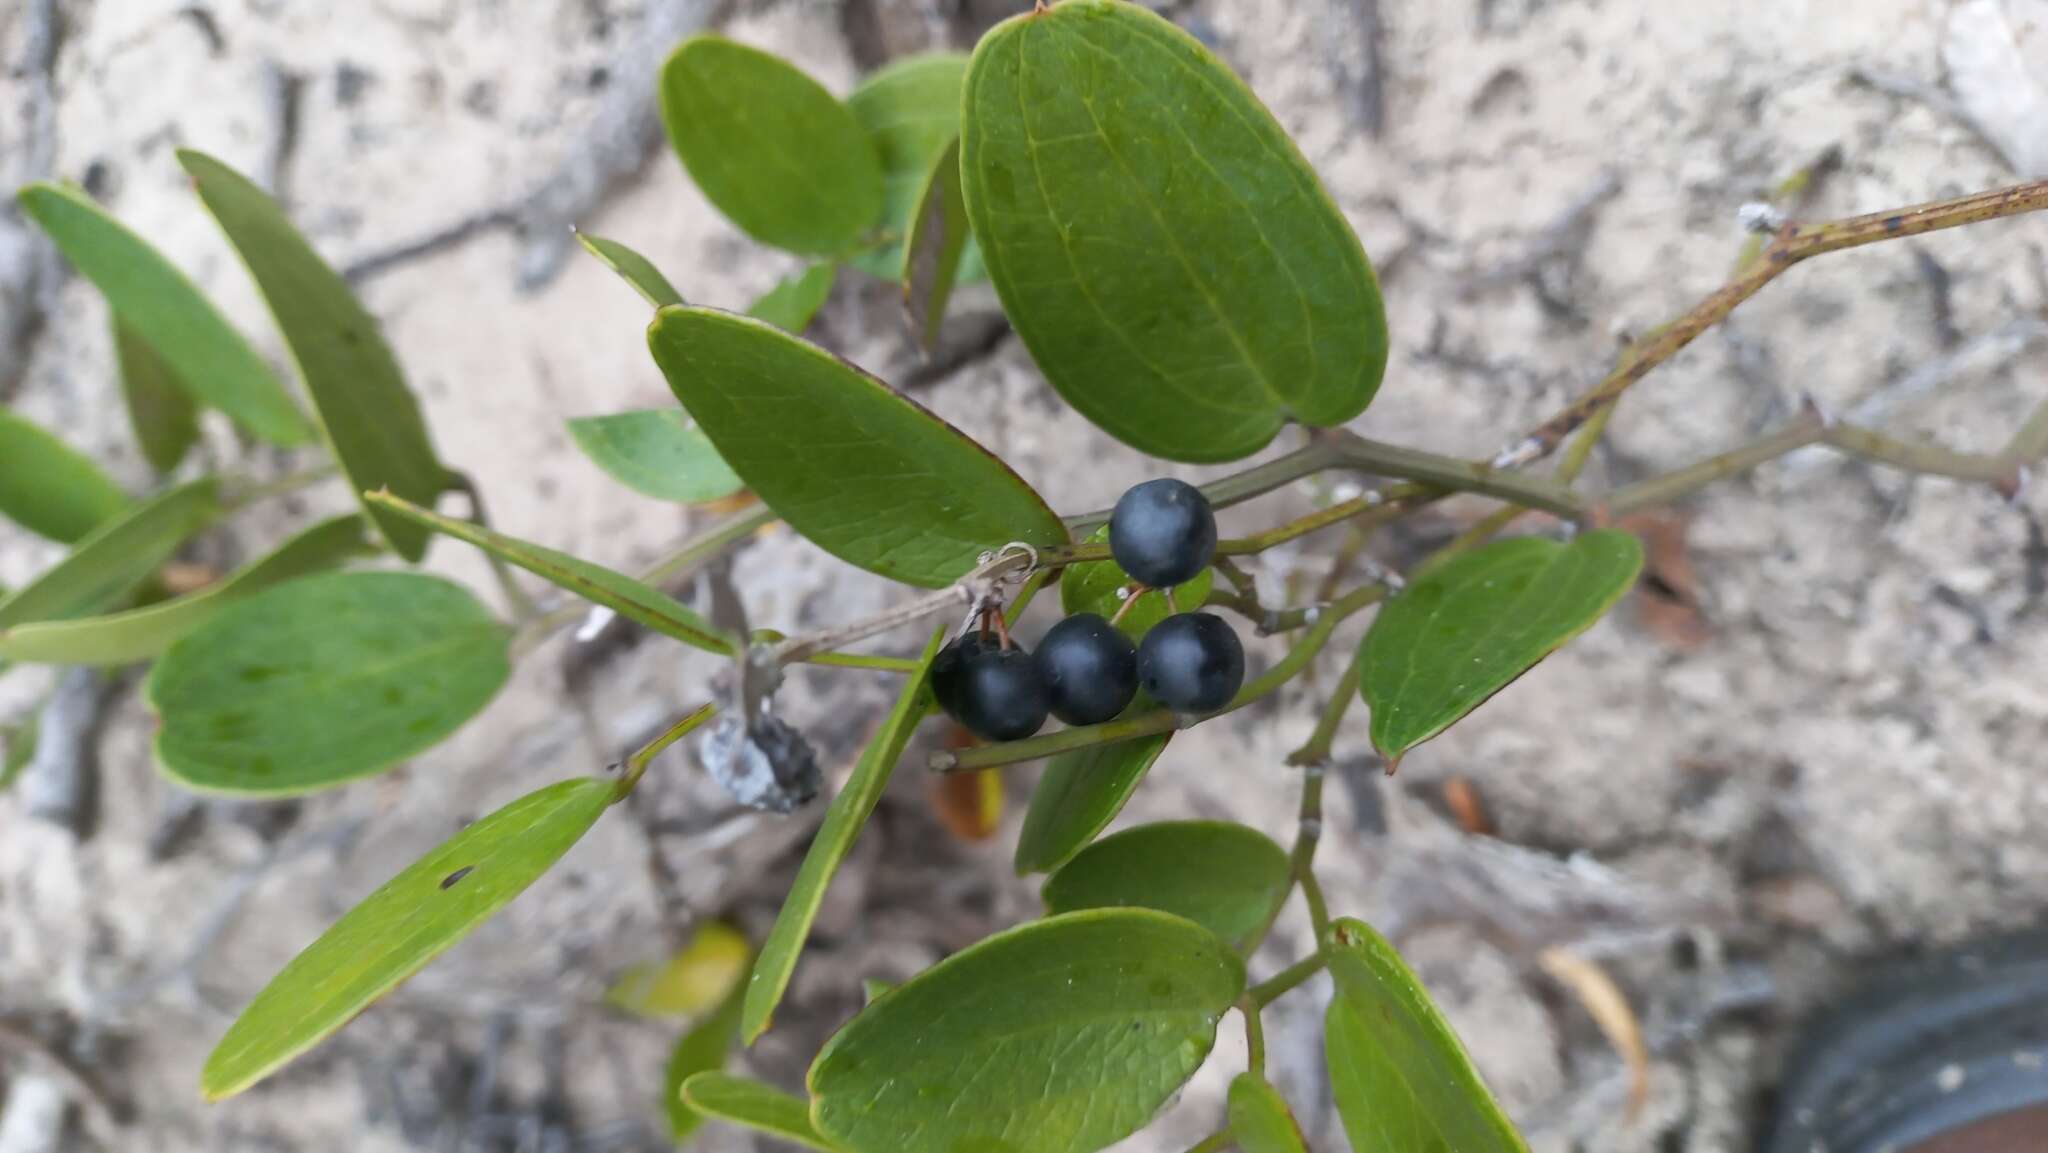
(1950, 1078)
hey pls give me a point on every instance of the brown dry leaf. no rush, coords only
(1668, 604)
(179, 578)
(970, 805)
(1462, 796)
(1609, 1008)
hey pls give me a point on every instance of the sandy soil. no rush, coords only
(1836, 755)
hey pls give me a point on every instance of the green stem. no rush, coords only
(691, 552)
(1443, 472)
(1163, 720)
(636, 765)
(1286, 980)
(1254, 1035)
(524, 611)
(1663, 489)
(249, 492)
(1930, 459)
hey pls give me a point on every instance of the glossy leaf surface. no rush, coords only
(1224, 876)
(1058, 1036)
(415, 917)
(1467, 628)
(911, 110)
(857, 468)
(657, 452)
(324, 679)
(1169, 258)
(1079, 795)
(50, 488)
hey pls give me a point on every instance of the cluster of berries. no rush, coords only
(1162, 533)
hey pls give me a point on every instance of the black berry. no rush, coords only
(1089, 668)
(1002, 697)
(949, 669)
(1192, 662)
(1163, 532)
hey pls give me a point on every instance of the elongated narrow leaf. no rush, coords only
(1096, 587)
(414, 918)
(763, 1108)
(1260, 1120)
(1059, 1036)
(119, 555)
(594, 583)
(769, 147)
(657, 452)
(160, 407)
(1400, 1077)
(691, 982)
(796, 299)
(633, 268)
(141, 633)
(324, 679)
(843, 822)
(860, 470)
(161, 307)
(1079, 795)
(50, 488)
(1465, 629)
(938, 237)
(1169, 258)
(701, 1050)
(911, 110)
(373, 422)
(19, 741)
(1224, 876)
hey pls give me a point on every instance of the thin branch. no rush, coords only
(523, 609)
(636, 765)
(1286, 980)
(1809, 428)
(1254, 1035)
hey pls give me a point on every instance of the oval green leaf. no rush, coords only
(1223, 876)
(50, 488)
(843, 822)
(633, 268)
(860, 470)
(1400, 1077)
(701, 1050)
(763, 1108)
(595, 583)
(324, 679)
(1058, 1036)
(373, 422)
(795, 300)
(1096, 587)
(116, 557)
(414, 918)
(160, 407)
(1466, 628)
(1079, 795)
(142, 633)
(658, 452)
(690, 983)
(155, 301)
(1169, 258)
(911, 110)
(769, 147)
(938, 238)
(1260, 1120)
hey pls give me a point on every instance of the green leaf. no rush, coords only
(795, 300)
(1400, 1077)
(1079, 795)
(701, 1050)
(1169, 258)
(373, 423)
(1466, 628)
(50, 488)
(871, 988)
(911, 110)
(1058, 1036)
(324, 679)
(595, 583)
(21, 748)
(1260, 1120)
(770, 147)
(160, 407)
(862, 471)
(635, 269)
(119, 555)
(760, 1107)
(938, 237)
(414, 918)
(702, 976)
(657, 452)
(843, 822)
(1092, 587)
(142, 633)
(1224, 876)
(161, 307)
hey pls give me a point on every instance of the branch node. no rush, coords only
(1812, 408)
(1518, 454)
(1761, 217)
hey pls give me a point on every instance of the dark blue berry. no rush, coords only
(1090, 669)
(949, 669)
(1192, 662)
(1002, 697)
(1163, 532)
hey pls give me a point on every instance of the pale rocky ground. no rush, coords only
(1847, 763)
